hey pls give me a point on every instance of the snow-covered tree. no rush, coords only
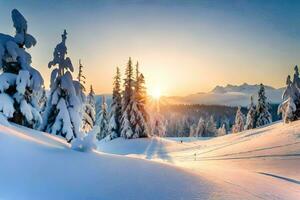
(294, 93)
(140, 118)
(102, 121)
(20, 84)
(288, 107)
(193, 129)
(201, 128)
(158, 126)
(62, 115)
(263, 115)
(211, 128)
(116, 107)
(80, 77)
(89, 114)
(239, 121)
(79, 84)
(134, 120)
(222, 130)
(127, 101)
(251, 116)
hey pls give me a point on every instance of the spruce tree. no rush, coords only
(81, 78)
(127, 103)
(21, 84)
(193, 128)
(262, 109)
(239, 121)
(251, 116)
(79, 84)
(158, 126)
(62, 113)
(288, 107)
(140, 120)
(201, 128)
(116, 107)
(103, 120)
(222, 130)
(211, 128)
(89, 116)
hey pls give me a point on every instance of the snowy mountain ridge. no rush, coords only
(229, 95)
(244, 88)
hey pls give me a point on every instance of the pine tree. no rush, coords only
(201, 128)
(89, 117)
(62, 114)
(294, 92)
(81, 78)
(211, 127)
(288, 107)
(239, 121)
(141, 118)
(21, 84)
(79, 84)
(103, 121)
(127, 101)
(116, 107)
(222, 130)
(158, 126)
(251, 116)
(263, 115)
(134, 120)
(193, 129)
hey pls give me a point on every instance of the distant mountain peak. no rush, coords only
(243, 88)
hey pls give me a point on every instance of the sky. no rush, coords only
(183, 47)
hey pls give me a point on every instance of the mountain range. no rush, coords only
(229, 95)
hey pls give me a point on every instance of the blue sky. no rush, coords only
(183, 46)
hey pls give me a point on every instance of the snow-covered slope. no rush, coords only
(256, 164)
(230, 95)
(260, 164)
(37, 165)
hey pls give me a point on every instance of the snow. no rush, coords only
(22, 81)
(256, 164)
(37, 165)
(86, 143)
(6, 105)
(6, 80)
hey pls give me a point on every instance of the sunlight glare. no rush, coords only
(156, 93)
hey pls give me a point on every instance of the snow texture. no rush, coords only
(87, 143)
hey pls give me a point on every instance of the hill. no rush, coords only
(257, 164)
(262, 162)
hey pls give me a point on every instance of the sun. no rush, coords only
(156, 93)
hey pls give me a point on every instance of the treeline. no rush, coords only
(181, 119)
